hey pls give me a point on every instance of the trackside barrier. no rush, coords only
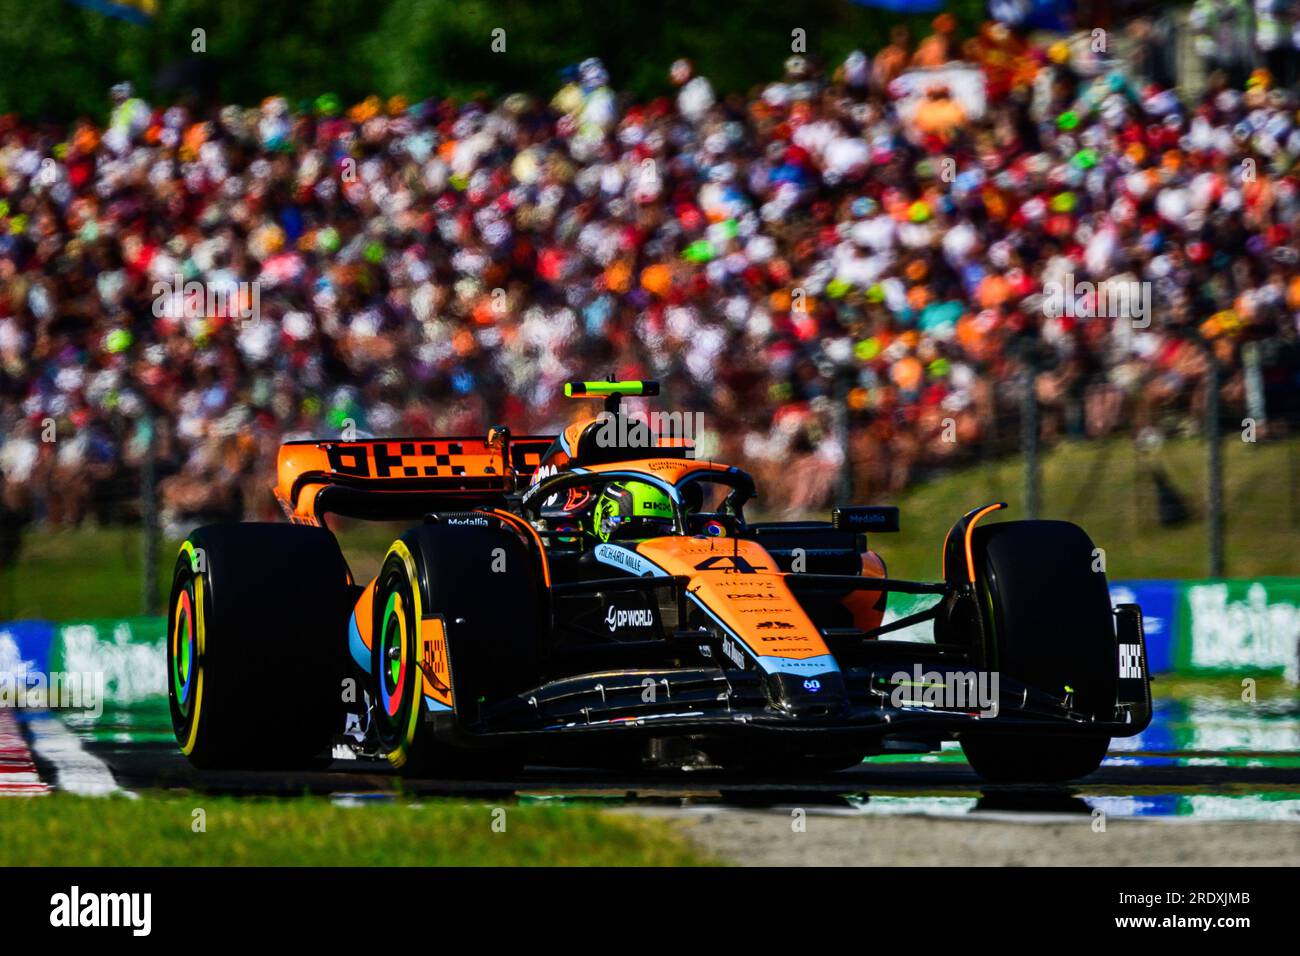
(1238, 626)
(128, 652)
(1193, 628)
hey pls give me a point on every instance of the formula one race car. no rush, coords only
(600, 599)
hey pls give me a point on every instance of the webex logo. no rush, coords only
(103, 909)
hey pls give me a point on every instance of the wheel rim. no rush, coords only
(184, 650)
(185, 654)
(393, 648)
(395, 671)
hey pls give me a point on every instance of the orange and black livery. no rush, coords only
(604, 596)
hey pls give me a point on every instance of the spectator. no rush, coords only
(253, 275)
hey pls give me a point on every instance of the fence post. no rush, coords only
(149, 517)
(1214, 465)
(1029, 437)
(844, 484)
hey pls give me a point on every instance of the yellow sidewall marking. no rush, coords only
(399, 756)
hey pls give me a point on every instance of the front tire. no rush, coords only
(1048, 623)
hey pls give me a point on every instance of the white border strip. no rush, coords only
(76, 770)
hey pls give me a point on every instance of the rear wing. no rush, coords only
(401, 477)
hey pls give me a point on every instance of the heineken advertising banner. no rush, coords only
(129, 652)
(1219, 626)
(1239, 626)
(1207, 627)
(118, 662)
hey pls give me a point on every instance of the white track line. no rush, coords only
(76, 770)
(18, 775)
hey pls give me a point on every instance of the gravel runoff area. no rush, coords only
(769, 838)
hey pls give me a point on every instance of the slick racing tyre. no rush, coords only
(457, 625)
(1048, 622)
(256, 605)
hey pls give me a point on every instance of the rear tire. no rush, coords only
(1048, 622)
(254, 607)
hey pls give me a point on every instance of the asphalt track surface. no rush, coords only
(1234, 808)
(160, 766)
(1211, 782)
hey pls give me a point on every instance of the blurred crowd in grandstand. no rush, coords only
(436, 267)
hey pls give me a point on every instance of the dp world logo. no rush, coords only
(617, 617)
(812, 686)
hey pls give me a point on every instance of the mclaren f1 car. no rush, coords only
(601, 601)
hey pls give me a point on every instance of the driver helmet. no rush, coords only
(632, 510)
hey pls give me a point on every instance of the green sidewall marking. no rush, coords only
(394, 666)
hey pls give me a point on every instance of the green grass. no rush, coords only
(1107, 488)
(311, 831)
(97, 571)
(1226, 688)
(1104, 486)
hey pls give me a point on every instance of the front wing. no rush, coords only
(881, 708)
